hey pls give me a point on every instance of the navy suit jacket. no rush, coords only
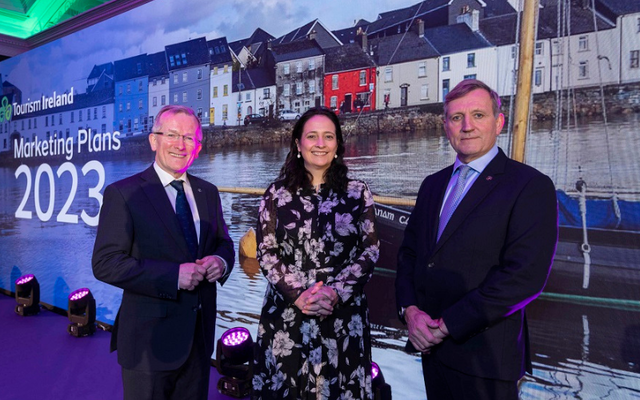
(493, 258)
(139, 247)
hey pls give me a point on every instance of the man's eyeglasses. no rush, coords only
(174, 138)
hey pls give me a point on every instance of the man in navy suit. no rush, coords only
(463, 281)
(164, 330)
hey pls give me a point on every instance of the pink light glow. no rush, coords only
(24, 279)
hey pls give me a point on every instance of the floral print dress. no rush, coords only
(304, 238)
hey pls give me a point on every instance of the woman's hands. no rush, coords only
(318, 300)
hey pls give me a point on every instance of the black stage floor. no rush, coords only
(39, 360)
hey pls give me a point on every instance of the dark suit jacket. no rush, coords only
(493, 258)
(139, 247)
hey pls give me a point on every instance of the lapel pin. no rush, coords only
(199, 190)
(489, 177)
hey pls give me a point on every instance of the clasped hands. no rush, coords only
(424, 332)
(190, 275)
(318, 300)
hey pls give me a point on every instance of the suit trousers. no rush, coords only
(189, 382)
(444, 383)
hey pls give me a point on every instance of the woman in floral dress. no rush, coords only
(317, 246)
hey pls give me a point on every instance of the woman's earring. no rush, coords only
(335, 156)
(298, 155)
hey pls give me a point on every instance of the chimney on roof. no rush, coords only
(361, 37)
(471, 18)
(420, 27)
(312, 35)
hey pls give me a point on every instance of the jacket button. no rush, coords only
(431, 265)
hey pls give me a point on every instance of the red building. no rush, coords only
(349, 80)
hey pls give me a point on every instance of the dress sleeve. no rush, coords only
(350, 281)
(269, 251)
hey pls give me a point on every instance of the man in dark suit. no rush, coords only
(477, 249)
(165, 243)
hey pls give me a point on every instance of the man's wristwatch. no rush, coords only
(401, 314)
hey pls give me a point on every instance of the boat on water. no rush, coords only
(599, 260)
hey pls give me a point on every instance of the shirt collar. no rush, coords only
(166, 178)
(479, 164)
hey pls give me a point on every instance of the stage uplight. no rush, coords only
(234, 355)
(81, 313)
(27, 295)
(381, 389)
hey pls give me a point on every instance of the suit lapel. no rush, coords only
(486, 182)
(200, 197)
(155, 192)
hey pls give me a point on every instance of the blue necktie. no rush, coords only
(454, 198)
(183, 211)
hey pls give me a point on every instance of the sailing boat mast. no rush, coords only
(525, 71)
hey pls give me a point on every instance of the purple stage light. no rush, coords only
(78, 294)
(24, 279)
(375, 370)
(235, 336)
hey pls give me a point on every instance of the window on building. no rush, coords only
(514, 52)
(470, 76)
(388, 74)
(199, 94)
(184, 97)
(225, 69)
(266, 93)
(175, 98)
(53, 121)
(95, 113)
(128, 88)
(334, 82)
(286, 90)
(155, 82)
(299, 87)
(635, 59)
(68, 133)
(199, 73)
(445, 64)
(184, 76)
(583, 69)
(422, 69)
(363, 78)
(225, 111)
(155, 101)
(424, 91)
(215, 92)
(285, 69)
(119, 109)
(104, 111)
(163, 100)
(537, 77)
(638, 24)
(471, 60)
(175, 78)
(312, 86)
(88, 114)
(59, 120)
(333, 102)
(312, 64)
(583, 43)
(539, 49)
(445, 87)
(139, 86)
(215, 70)
(247, 96)
(140, 104)
(225, 90)
(298, 66)
(103, 127)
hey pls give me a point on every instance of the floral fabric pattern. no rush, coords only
(304, 238)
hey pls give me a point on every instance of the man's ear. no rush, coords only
(153, 141)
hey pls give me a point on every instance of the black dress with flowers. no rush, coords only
(304, 238)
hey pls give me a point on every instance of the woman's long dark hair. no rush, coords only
(293, 172)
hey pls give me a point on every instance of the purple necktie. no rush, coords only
(183, 212)
(454, 198)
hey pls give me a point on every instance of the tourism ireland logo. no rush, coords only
(5, 110)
